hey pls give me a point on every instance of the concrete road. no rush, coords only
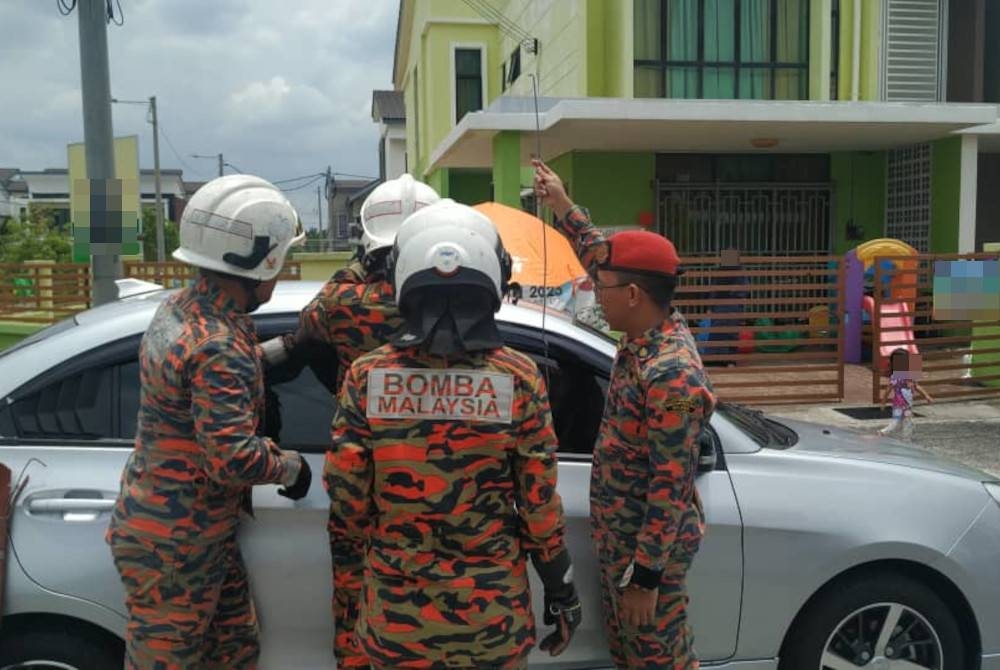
(975, 443)
(964, 431)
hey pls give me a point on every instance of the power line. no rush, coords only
(491, 13)
(177, 154)
(348, 174)
(66, 8)
(291, 179)
(111, 13)
(305, 185)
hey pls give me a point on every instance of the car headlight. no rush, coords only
(993, 488)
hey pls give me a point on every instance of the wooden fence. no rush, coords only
(769, 330)
(43, 291)
(46, 292)
(959, 356)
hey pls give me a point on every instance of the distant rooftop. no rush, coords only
(388, 106)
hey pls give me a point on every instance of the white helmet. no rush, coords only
(239, 225)
(384, 211)
(449, 244)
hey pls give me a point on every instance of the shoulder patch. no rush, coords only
(681, 405)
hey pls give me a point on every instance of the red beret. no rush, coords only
(641, 251)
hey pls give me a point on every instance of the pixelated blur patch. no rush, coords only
(105, 215)
(967, 290)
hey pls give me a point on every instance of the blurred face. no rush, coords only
(263, 292)
(907, 365)
(615, 298)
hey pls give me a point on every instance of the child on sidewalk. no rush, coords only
(904, 368)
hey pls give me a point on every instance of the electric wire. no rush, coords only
(492, 14)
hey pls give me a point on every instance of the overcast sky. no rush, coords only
(282, 89)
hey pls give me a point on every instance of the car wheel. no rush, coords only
(62, 649)
(885, 622)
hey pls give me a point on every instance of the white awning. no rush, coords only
(702, 126)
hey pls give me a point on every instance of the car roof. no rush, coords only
(129, 317)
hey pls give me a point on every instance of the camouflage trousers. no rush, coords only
(521, 664)
(188, 606)
(666, 644)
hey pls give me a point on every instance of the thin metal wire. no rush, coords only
(545, 241)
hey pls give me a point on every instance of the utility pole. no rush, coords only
(153, 119)
(222, 163)
(319, 207)
(105, 226)
(160, 241)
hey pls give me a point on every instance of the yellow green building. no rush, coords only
(772, 126)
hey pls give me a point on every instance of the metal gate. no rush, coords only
(961, 358)
(757, 219)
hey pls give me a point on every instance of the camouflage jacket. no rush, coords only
(643, 498)
(442, 476)
(196, 452)
(352, 313)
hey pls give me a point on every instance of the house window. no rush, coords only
(915, 39)
(468, 81)
(514, 71)
(342, 232)
(722, 49)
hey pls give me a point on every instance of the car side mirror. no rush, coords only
(707, 456)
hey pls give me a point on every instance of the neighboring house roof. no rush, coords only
(10, 183)
(363, 193)
(388, 106)
(349, 186)
(191, 186)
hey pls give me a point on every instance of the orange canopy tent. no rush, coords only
(521, 233)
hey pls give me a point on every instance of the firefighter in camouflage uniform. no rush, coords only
(173, 528)
(646, 516)
(354, 313)
(442, 472)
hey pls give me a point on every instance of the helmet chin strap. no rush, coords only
(250, 287)
(438, 321)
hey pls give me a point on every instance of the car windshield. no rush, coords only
(764, 430)
(40, 335)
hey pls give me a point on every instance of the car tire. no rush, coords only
(60, 648)
(921, 615)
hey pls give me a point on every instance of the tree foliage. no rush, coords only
(171, 235)
(34, 237)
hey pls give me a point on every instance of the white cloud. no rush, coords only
(281, 89)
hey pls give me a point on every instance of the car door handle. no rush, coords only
(74, 505)
(48, 505)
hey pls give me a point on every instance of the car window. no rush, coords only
(577, 379)
(78, 406)
(128, 398)
(306, 409)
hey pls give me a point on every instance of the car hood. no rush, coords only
(841, 443)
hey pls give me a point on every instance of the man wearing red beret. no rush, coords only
(646, 516)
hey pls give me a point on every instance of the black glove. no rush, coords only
(300, 488)
(562, 606)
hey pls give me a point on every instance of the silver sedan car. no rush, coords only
(824, 549)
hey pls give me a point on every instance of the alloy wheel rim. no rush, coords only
(883, 636)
